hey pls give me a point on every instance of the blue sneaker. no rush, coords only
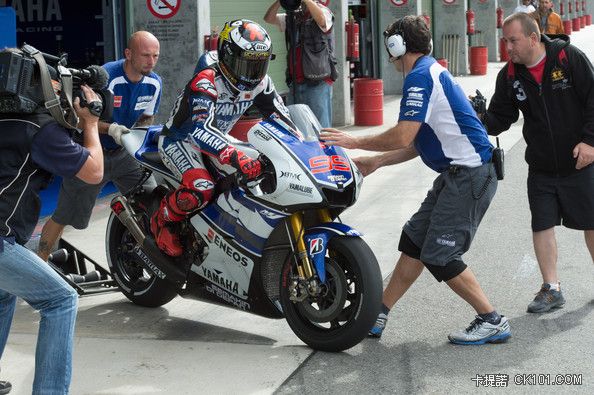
(481, 332)
(379, 326)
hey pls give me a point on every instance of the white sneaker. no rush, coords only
(481, 332)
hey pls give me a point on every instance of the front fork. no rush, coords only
(306, 283)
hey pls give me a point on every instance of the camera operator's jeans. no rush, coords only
(24, 274)
(318, 97)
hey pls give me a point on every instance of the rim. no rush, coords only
(128, 265)
(338, 302)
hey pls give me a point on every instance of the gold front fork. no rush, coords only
(304, 265)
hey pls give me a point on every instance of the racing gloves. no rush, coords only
(249, 167)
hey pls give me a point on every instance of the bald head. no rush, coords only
(142, 37)
(142, 55)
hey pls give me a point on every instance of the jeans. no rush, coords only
(24, 274)
(318, 97)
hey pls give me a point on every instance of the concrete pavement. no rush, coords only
(188, 347)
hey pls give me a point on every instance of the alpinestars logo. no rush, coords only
(206, 86)
(203, 184)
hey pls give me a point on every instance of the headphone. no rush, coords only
(395, 43)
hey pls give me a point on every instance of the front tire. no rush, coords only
(138, 284)
(341, 316)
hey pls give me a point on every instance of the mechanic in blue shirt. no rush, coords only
(136, 95)
(438, 124)
(32, 148)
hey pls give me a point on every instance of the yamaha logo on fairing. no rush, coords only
(148, 262)
(270, 215)
(215, 277)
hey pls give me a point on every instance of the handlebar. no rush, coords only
(266, 179)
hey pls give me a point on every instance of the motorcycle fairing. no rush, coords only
(329, 165)
(243, 219)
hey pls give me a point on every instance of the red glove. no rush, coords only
(249, 167)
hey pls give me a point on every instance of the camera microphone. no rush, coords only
(94, 76)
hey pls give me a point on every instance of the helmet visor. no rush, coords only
(248, 69)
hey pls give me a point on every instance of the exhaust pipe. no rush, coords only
(153, 259)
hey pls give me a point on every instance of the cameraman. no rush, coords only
(32, 148)
(137, 93)
(315, 62)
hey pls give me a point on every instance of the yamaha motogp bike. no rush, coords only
(274, 247)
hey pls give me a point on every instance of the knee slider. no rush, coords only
(195, 191)
(447, 272)
(407, 246)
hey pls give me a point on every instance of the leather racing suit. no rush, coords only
(201, 118)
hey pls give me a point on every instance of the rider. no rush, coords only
(204, 113)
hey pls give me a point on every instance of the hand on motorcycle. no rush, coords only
(116, 131)
(366, 164)
(332, 136)
(249, 167)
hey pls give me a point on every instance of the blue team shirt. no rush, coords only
(130, 99)
(450, 133)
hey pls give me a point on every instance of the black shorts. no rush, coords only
(565, 200)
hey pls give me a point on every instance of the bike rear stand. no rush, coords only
(73, 266)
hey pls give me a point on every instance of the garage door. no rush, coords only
(222, 11)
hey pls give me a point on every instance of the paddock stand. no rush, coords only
(73, 266)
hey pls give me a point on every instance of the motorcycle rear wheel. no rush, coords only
(341, 316)
(135, 282)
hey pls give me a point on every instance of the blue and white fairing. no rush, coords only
(304, 165)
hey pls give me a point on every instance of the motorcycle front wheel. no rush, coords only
(342, 314)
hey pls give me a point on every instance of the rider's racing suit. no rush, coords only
(203, 114)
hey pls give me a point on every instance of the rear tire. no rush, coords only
(342, 315)
(138, 284)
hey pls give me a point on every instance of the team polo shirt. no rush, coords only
(450, 132)
(130, 99)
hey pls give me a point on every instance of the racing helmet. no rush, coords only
(244, 52)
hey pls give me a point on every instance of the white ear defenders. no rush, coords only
(395, 44)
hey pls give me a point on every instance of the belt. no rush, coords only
(455, 169)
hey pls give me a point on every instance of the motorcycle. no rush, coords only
(274, 247)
